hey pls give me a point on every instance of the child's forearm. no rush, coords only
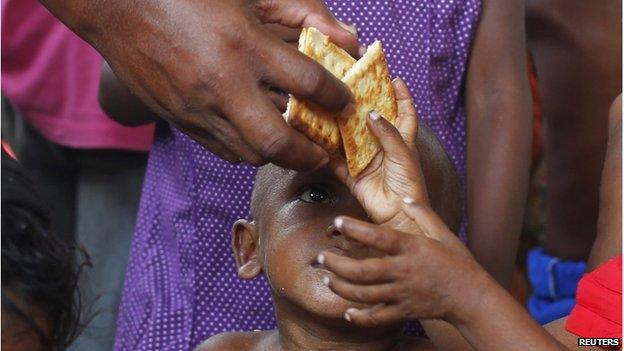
(495, 321)
(445, 336)
(120, 103)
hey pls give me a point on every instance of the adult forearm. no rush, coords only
(499, 140)
(498, 137)
(81, 16)
(120, 103)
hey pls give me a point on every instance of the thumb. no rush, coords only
(428, 221)
(306, 13)
(432, 226)
(407, 117)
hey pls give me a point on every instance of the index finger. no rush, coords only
(375, 236)
(407, 118)
(262, 126)
(286, 68)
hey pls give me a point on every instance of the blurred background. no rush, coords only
(90, 169)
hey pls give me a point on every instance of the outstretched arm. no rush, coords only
(120, 103)
(205, 66)
(427, 273)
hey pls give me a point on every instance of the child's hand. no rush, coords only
(426, 273)
(395, 172)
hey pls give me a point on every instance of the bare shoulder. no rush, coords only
(235, 341)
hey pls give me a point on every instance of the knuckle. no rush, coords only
(388, 129)
(381, 238)
(359, 272)
(360, 294)
(387, 239)
(255, 161)
(405, 270)
(313, 83)
(275, 146)
(373, 320)
(377, 269)
(264, 8)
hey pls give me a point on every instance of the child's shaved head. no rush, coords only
(293, 215)
(442, 181)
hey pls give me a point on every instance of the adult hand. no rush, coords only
(395, 172)
(291, 37)
(425, 273)
(207, 65)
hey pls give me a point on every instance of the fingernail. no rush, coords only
(338, 221)
(320, 258)
(349, 28)
(325, 280)
(361, 51)
(323, 162)
(349, 110)
(374, 115)
(348, 313)
(408, 200)
(347, 316)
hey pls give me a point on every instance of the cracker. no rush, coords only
(314, 122)
(369, 81)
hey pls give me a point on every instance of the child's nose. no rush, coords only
(345, 241)
(332, 231)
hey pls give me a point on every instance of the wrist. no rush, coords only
(83, 17)
(477, 290)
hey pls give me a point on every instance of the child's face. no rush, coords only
(293, 214)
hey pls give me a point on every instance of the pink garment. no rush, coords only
(51, 77)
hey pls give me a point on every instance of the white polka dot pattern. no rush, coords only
(181, 283)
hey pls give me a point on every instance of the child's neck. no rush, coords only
(299, 330)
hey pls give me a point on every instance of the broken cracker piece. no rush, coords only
(315, 123)
(369, 81)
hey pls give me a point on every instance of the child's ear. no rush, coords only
(245, 247)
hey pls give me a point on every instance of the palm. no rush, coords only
(394, 173)
(385, 183)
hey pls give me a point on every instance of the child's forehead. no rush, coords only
(272, 176)
(272, 180)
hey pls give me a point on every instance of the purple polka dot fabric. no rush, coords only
(181, 284)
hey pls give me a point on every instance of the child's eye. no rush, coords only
(314, 194)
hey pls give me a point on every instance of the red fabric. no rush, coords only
(598, 310)
(9, 150)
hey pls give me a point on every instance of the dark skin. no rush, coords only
(426, 263)
(121, 104)
(498, 136)
(608, 242)
(293, 214)
(499, 127)
(576, 46)
(199, 65)
(18, 334)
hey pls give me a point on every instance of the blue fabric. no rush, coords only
(554, 283)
